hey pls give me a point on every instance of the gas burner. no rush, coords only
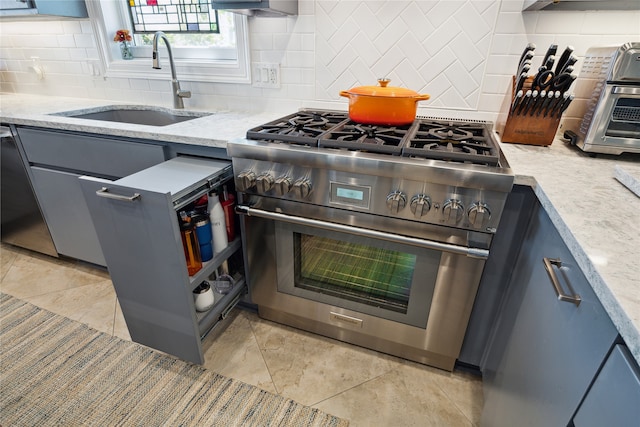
(303, 127)
(452, 141)
(361, 137)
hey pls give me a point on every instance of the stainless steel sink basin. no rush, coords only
(139, 115)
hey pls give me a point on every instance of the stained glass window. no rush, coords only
(173, 16)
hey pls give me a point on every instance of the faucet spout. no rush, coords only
(178, 93)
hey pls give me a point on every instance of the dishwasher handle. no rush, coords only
(562, 296)
(365, 232)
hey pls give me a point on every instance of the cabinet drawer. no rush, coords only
(96, 155)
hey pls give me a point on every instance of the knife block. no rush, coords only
(526, 129)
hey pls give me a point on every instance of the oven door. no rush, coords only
(384, 279)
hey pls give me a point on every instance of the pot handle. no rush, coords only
(344, 93)
(423, 97)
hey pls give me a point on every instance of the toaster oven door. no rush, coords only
(614, 126)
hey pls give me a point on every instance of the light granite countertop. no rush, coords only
(598, 217)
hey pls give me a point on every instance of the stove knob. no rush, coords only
(452, 211)
(302, 188)
(245, 180)
(282, 185)
(396, 201)
(479, 214)
(264, 183)
(420, 205)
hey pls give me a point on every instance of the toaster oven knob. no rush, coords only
(302, 188)
(396, 201)
(420, 205)
(452, 211)
(479, 214)
(264, 183)
(282, 185)
(245, 180)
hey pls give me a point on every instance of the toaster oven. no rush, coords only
(610, 81)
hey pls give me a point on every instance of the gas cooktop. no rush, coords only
(427, 138)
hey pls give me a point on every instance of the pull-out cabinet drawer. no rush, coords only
(137, 224)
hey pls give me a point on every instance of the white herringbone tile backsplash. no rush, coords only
(435, 47)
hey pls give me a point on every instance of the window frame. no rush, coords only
(107, 16)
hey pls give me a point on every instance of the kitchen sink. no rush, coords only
(138, 115)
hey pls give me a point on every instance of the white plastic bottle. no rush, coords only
(218, 226)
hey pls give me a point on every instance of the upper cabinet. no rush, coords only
(64, 8)
(580, 5)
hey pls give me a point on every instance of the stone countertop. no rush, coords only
(213, 130)
(598, 217)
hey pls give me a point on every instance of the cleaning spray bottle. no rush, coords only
(218, 226)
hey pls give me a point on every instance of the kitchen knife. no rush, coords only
(520, 81)
(557, 97)
(529, 48)
(550, 52)
(516, 101)
(531, 103)
(563, 59)
(548, 64)
(526, 61)
(565, 105)
(545, 102)
(524, 102)
(558, 106)
(569, 63)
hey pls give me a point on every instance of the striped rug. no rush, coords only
(55, 371)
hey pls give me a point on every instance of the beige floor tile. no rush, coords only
(8, 254)
(235, 353)
(310, 368)
(92, 304)
(406, 396)
(32, 274)
(120, 329)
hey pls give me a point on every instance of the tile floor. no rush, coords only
(366, 387)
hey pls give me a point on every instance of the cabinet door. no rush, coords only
(136, 222)
(614, 398)
(545, 352)
(67, 215)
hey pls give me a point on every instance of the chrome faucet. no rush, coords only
(178, 93)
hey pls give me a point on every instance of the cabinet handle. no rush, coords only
(548, 265)
(104, 192)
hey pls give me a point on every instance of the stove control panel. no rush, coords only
(399, 197)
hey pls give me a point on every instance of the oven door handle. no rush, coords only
(397, 238)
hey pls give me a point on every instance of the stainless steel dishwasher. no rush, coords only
(22, 222)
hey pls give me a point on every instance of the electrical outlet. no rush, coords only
(266, 75)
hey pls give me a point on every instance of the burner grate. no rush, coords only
(303, 127)
(368, 138)
(452, 141)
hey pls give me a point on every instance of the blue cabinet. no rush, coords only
(546, 348)
(614, 398)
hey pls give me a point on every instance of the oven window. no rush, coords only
(365, 274)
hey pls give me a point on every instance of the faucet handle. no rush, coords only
(183, 93)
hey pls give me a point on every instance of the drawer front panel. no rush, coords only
(83, 153)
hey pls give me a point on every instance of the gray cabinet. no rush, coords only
(546, 349)
(136, 219)
(614, 398)
(56, 159)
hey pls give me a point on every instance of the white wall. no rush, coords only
(462, 52)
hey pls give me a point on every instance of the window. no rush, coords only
(203, 57)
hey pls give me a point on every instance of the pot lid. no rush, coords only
(383, 90)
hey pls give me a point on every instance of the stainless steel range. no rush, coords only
(368, 234)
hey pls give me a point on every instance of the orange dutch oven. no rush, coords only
(383, 105)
